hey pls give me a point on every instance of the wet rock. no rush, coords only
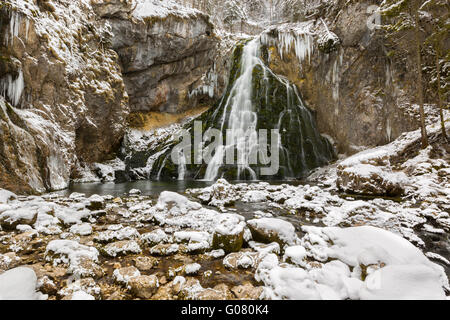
(10, 219)
(86, 267)
(8, 261)
(87, 285)
(367, 179)
(146, 263)
(95, 202)
(229, 233)
(120, 248)
(112, 8)
(124, 275)
(117, 233)
(155, 237)
(219, 292)
(247, 292)
(47, 286)
(164, 249)
(241, 260)
(268, 230)
(144, 287)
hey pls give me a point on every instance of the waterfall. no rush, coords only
(242, 118)
(256, 99)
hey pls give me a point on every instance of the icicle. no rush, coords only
(12, 89)
(14, 28)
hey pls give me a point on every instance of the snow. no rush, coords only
(81, 295)
(192, 269)
(69, 252)
(230, 224)
(117, 233)
(155, 237)
(162, 9)
(295, 254)
(283, 229)
(83, 229)
(6, 195)
(11, 216)
(403, 282)
(19, 284)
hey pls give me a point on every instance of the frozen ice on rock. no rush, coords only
(123, 247)
(117, 233)
(175, 210)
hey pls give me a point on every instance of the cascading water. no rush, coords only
(255, 99)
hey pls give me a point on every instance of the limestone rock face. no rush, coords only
(361, 96)
(168, 61)
(64, 99)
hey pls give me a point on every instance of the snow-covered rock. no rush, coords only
(269, 230)
(370, 180)
(11, 218)
(19, 284)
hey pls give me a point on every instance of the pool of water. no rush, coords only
(147, 187)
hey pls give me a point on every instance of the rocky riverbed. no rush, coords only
(387, 239)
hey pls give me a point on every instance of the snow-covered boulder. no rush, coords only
(6, 196)
(144, 287)
(229, 233)
(368, 179)
(10, 219)
(124, 275)
(19, 284)
(351, 263)
(268, 230)
(121, 248)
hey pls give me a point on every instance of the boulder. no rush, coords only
(144, 287)
(10, 219)
(268, 230)
(367, 179)
(229, 233)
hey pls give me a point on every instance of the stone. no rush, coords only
(367, 179)
(95, 203)
(247, 291)
(241, 260)
(10, 219)
(229, 233)
(124, 275)
(268, 230)
(164, 249)
(145, 263)
(121, 248)
(144, 287)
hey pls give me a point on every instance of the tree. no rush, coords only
(406, 16)
(441, 27)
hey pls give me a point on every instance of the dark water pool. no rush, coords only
(148, 188)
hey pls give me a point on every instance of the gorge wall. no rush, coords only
(76, 75)
(71, 72)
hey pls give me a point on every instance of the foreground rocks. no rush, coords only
(302, 242)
